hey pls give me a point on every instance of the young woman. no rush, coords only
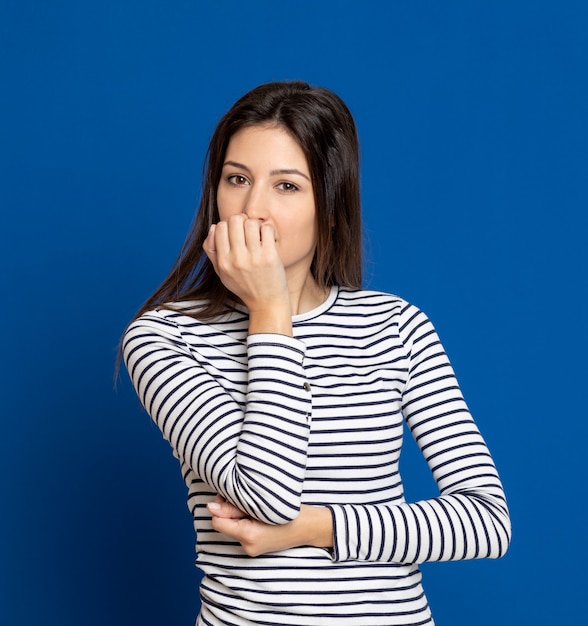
(282, 387)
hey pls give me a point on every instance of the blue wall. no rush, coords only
(472, 117)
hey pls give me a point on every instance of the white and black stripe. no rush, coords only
(271, 422)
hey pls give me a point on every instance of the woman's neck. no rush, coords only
(306, 296)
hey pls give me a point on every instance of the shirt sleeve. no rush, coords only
(470, 517)
(253, 453)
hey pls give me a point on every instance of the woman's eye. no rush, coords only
(288, 187)
(237, 179)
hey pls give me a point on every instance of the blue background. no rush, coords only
(473, 123)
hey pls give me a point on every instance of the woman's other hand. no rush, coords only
(313, 527)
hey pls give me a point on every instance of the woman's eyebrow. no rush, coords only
(272, 173)
(290, 171)
(240, 166)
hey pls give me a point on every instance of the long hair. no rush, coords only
(324, 128)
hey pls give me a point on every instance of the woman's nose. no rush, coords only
(256, 205)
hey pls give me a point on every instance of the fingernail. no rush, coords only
(214, 506)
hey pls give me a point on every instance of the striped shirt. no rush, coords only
(271, 421)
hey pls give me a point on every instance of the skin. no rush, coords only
(313, 527)
(262, 249)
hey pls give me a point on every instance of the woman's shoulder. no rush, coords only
(187, 314)
(165, 316)
(180, 320)
(371, 299)
(379, 306)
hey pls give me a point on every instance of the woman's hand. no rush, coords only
(244, 255)
(313, 527)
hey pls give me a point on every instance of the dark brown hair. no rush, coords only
(324, 128)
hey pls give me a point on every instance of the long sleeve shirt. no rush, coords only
(271, 422)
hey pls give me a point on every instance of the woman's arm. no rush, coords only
(253, 452)
(469, 519)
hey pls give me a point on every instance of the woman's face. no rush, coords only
(265, 176)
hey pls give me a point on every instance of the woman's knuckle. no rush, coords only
(223, 265)
(236, 218)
